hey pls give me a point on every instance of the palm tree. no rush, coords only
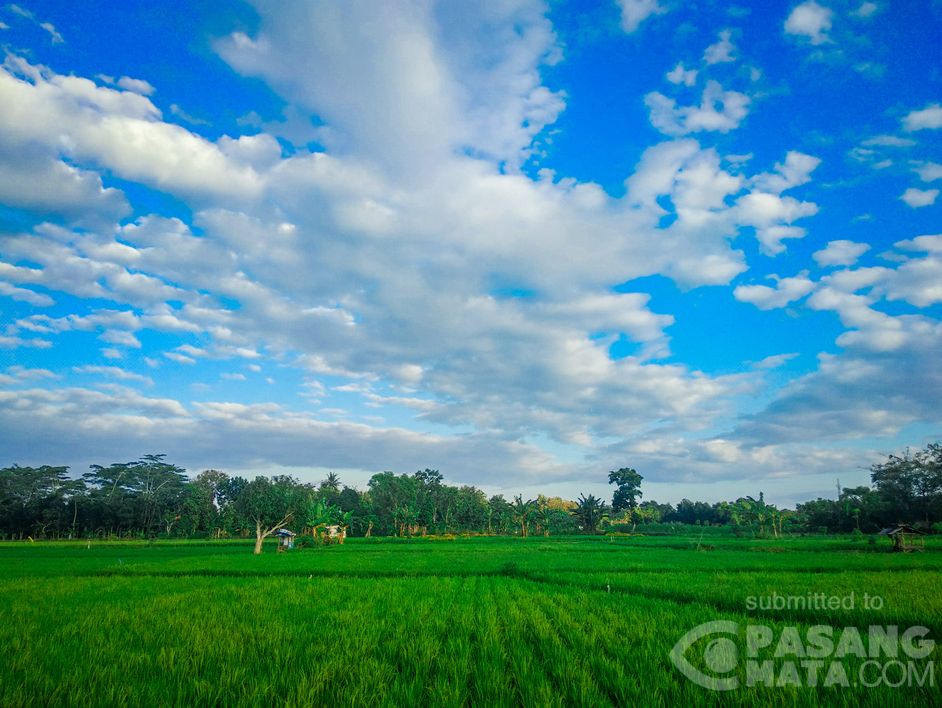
(331, 483)
(521, 511)
(590, 511)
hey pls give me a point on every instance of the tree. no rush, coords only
(269, 505)
(138, 495)
(590, 512)
(41, 501)
(911, 485)
(497, 510)
(319, 515)
(628, 488)
(331, 482)
(389, 492)
(522, 511)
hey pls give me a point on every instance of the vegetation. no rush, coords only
(582, 620)
(151, 498)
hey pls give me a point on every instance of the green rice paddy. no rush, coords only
(480, 621)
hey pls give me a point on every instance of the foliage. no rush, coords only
(590, 512)
(627, 489)
(150, 497)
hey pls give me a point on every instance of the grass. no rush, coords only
(579, 621)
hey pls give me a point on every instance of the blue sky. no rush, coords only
(523, 243)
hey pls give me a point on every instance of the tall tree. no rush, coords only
(911, 485)
(627, 490)
(268, 504)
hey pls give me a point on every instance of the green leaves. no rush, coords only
(590, 511)
(628, 488)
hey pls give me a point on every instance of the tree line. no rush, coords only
(151, 497)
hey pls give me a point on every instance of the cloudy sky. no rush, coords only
(523, 243)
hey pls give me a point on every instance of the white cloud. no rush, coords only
(462, 77)
(840, 253)
(810, 21)
(180, 358)
(54, 34)
(121, 338)
(928, 118)
(866, 10)
(679, 75)
(786, 290)
(385, 261)
(719, 111)
(136, 85)
(25, 295)
(888, 141)
(722, 50)
(48, 27)
(928, 171)
(113, 372)
(634, 12)
(38, 182)
(917, 198)
(929, 243)
(116, 130)
(795, 171)
(772, 215)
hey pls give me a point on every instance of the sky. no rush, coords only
(523, 243)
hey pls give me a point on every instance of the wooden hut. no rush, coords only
(905, 538)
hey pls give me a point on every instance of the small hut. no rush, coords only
(335, 531)
(285, 539)
(905, 538)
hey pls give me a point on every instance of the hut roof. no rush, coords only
(900, 528)
(285, 532)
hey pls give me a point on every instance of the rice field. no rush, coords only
(489, 621)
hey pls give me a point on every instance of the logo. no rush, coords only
(721, 655)
(728, 656)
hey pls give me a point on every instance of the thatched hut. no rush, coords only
(905, 538)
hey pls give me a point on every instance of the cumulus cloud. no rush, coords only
(74, 421)
(118, 130)
(786, 290)
(772, 216)
(456, 78)
(866, 10)
(722, 50)
(840, 253)
(918, 198)
(928, 118)
(810, 21)
(928, 171)
(680, 75)
(412, 264)
(36, 181)
(719, 110)
(136, 85)
(113, 372)
(634, 12)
